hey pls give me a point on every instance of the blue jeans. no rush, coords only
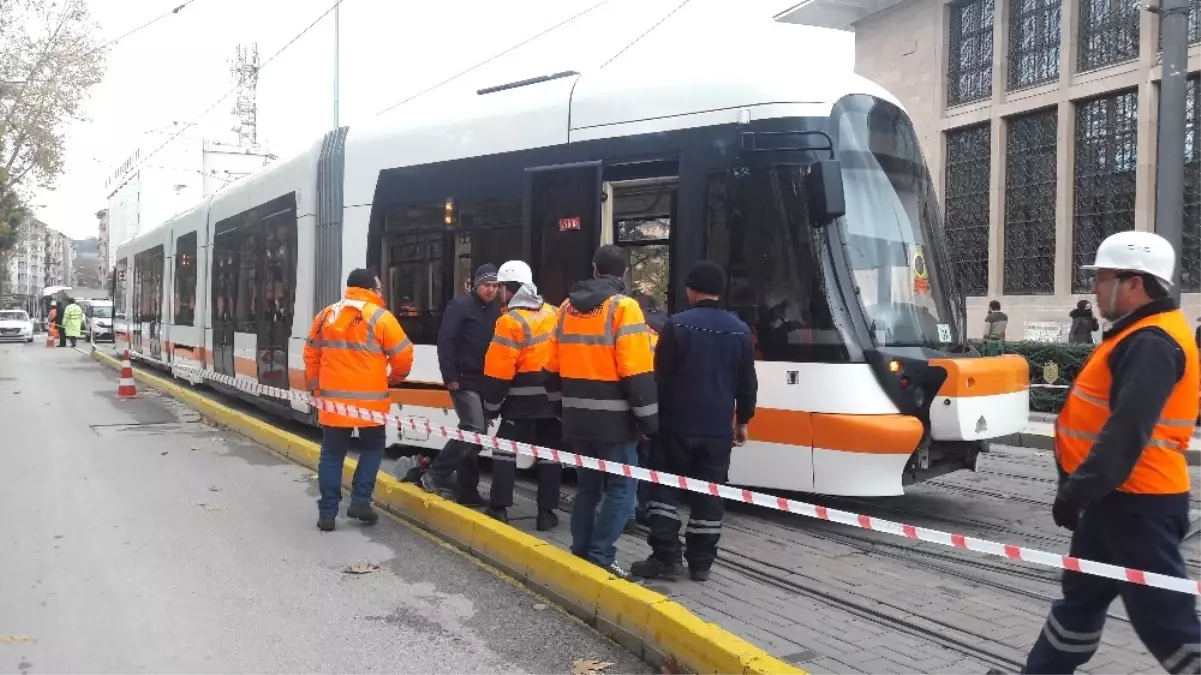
(334, 443)
(594, 536)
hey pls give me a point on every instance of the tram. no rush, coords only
(807, 184)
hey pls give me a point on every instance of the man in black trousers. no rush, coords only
(705, 366)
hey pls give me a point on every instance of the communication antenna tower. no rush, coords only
(245, 69)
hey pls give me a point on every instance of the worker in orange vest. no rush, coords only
(350, 348)
(515, 390)
(1120, 444)
(601, 358)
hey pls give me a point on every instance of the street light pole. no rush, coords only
(1173, 110)
(337, 35)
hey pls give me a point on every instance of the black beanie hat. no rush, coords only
(484, 274)
(706, 277)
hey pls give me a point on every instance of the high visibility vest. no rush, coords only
(515, 364)
(605, 369)
(350, 346)
(1162, 468)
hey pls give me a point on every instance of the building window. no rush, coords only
(1194, 22)
(1033, 42)
(185, 280)
(1030, 204)
(969, 152)
(1106, 163)
(642, 217)
(969, 68)
(1190, 271)
(1108, 33)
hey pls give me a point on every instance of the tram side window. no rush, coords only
(758, 230)
(486, 231)
(278, 287)
(184, 300)
(225, 264)
(148, 285)
(246, 301)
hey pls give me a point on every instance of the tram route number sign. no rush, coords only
(944, 332)
(569, 224)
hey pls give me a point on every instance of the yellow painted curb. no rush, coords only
(645, 622)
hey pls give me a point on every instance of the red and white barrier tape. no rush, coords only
(960, 541)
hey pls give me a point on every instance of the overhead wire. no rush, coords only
(149, 23)
(227, 94)
(493, 58)
(646, 32)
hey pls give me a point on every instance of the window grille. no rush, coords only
(1108, 33)
(1033, 42)
(969, 69)
(1030, 204)
(1106, 164)
(969, 153)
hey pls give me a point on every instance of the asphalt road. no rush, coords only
(138, 539)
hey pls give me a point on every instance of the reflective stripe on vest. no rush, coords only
(1162, 468)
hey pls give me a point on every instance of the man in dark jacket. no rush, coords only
(705, 365)
(463, 338)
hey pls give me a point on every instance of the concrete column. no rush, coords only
(1069, 13)
(996, 170)
(1065, 190)
(1148, 136)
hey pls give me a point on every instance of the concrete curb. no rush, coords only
(650, 625)
(1037, 441)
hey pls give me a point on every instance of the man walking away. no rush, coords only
(72, 321)
(705, 364)
(515, 389)
(995, 322)
(601, 358)
(347, 356)
(463, 339)
(1120, 444)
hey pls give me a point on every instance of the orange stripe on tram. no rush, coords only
(1005, 374)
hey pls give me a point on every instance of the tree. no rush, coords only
(49, 59)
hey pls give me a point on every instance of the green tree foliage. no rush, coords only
(49, 58)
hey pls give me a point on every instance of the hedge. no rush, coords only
(1067, 357)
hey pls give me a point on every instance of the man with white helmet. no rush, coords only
(515, 390)
(1119, 446)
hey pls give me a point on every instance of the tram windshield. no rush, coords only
(892, 230)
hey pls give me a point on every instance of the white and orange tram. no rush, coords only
(806, 184)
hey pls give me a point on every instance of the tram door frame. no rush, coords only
(560, 252)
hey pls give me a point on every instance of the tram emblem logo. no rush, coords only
(1051, 372)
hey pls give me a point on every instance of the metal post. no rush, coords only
(337, 32)
(1169, 179)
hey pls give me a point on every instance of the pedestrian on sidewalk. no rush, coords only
(1120, 444)
(705, 365)
(601, 361)
(463, 339)
(355, 349)
(1084, 324)
(515, 389)
(995, 322)
(72, 321)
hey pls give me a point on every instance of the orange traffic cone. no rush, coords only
(49, 338)
(126, 388)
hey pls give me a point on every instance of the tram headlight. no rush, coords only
(894, 367)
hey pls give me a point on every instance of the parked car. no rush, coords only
(98, 319)
(15, 326)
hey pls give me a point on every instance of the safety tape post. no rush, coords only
(1010, 551)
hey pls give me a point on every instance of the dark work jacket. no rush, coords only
(705, 364)
(1146, 366)
(467, 328)
(1083, 326)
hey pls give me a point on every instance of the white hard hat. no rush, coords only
(515, 270)
(1132, 251)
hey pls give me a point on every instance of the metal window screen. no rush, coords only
(1033, 43)
(1108, 33)
(969, 68)
(968, 156)
(1030, 204)
(1106, 163)
(1190, 270)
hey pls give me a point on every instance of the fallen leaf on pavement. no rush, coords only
(195, 449)
(214, 489)
(16, 639)
(589, 667)
(209, 507)
(361, 568)
(162, 453)
(670, 666)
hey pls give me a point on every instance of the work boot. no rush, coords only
(653, 568)
(500, 514)
(617, 571)
(326, 523)
(362, 512)
(698, 575)
(547, 520)
(430, 485)
(473, 499)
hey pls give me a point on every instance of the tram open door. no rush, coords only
(563, 225)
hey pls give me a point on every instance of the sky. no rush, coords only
(389, 49)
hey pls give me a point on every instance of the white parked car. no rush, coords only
(15, 326)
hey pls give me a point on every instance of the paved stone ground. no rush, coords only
(836, 599)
